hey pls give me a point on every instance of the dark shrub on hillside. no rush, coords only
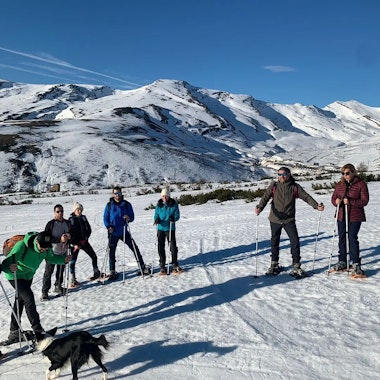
(220, 195)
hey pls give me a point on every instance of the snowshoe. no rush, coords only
(14, 337)
(274, 269)
(146, 271)
(357, 271)
(177, 270)
(74, 284)
(113, 276)
(298, 272)
(340, 266)
(96, 275)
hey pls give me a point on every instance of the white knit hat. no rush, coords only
(76, 206)
(165, 192)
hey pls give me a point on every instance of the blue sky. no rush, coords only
(281, 51)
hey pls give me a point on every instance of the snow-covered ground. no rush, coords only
(216, 321)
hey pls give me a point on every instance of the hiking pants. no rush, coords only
(291, 230)
(49, 269)
(353, 242)
(25, 299)
(162, 236)
(113, 240)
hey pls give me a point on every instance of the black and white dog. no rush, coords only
(76, 348)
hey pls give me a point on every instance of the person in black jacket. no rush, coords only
(59, 229)
(80, 233)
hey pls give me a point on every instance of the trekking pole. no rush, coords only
(153, 253)
(17, 319)
(316, 237)
(17, 305)
(333, 239)
(103, 269)
(347, 239)
(66, 276)
(135, 251)
(124, 228)
(169, 244)
(257, 244)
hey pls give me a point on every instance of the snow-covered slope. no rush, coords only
(91, 136)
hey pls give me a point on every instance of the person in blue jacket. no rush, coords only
(165, 216)
(117, 214)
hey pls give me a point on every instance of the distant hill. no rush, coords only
(85, 136)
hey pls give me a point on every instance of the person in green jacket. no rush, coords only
(21, 265)
(283, 216)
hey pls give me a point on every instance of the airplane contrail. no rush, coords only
(65, 64)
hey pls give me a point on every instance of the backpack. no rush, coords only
(11, 242)
(295, 190)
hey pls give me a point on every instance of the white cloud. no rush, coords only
(279, 68)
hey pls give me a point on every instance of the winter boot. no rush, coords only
(13, 336)
(357, 270)
(58, 289)
(96, 274)
(73, 282)
(113, 275)
(340, 266)
(44, 297)
(177, 269)
(274, 269)
(297, 271)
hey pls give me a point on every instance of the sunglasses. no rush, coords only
(282, 174)
(346, 173)
(118, 193)
(59, 211)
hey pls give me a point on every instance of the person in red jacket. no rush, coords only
(351, 194)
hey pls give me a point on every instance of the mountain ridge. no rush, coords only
(87, 136)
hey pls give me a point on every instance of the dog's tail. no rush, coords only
(102, 341)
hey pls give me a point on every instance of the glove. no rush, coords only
(157, 221)
(171, 219)
(110, 230)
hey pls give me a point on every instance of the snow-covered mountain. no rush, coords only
(85, 136)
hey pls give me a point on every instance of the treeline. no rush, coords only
(220, 195)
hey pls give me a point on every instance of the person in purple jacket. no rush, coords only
(351, 195)
(117, 214)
